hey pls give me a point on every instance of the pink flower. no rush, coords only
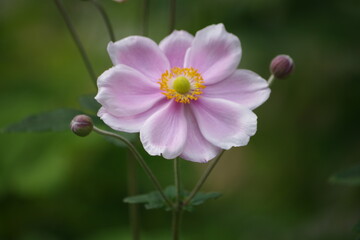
(185, 95)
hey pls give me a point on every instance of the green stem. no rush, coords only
(140, 160)
(176, 221)
(271, 80)
(106, 19)
(76, 39)
(177, 179)
(202, 180)
(172, 15)
(132, 191)
(145, 17)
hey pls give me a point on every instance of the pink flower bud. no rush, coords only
(81, 125)
(119, 1)
(281, 66)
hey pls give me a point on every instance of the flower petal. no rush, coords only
(132, 123)
(215, 53)
(140, 53)
(165, 131)
(175, 45)
(223, 123)
(243, 86)
(197, 148)
(123, 91)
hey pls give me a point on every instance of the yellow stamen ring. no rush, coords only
(182, 84)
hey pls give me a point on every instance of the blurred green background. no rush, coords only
(59, 186)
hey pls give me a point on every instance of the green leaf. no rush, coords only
(89, 103)
(153, 200)
(137, 199)
(200, 197)
(56, 120)
(349, 176)
(170, 192)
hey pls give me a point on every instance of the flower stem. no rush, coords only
(106, 19)
(271, 80)
(176, 221)
(145, 17)
(76, 39)
(140, 160)
(202, 180)
(177, 179)
(132, 191)
(172, 15)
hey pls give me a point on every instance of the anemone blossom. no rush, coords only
(185, 96)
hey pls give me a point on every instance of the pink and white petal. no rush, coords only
(197, 148)
(224, 123)
(140, 53)
(129, 124)
(164, 133)
(243, 86)
(123, 91)
(215, 53)
(175, 45)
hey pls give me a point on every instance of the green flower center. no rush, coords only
(181, 85)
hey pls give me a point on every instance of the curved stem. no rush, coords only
(202, 180)
(271, 80)
(76, 39)
(140, 160)
(106, 19)
(172, 15)
(176, 221)
(145, 17)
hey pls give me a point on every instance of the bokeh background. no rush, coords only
(59, 186)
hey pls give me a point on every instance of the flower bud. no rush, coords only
(119, 1)
(81, 125)
(281, 66)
